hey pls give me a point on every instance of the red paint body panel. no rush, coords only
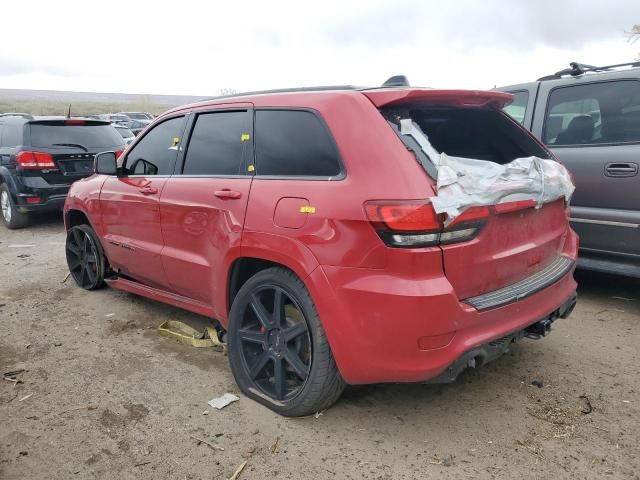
(132, 237)
(501, 254)
(199, 230)
(390, 314)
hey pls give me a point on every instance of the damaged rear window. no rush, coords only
(477, 133)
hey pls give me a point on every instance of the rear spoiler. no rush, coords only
(456, 98)
(69, 121)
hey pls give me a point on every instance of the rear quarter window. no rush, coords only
(11, 136)
(294, 143)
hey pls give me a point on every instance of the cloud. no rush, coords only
(12, 66)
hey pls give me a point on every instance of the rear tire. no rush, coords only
(278, 350)
(11, 217)
(85, 257)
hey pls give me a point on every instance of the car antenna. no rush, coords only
(69, 112)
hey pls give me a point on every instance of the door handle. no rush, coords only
(621, 169)
(148, 190)
(226, 193)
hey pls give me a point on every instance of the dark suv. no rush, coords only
(40, 159)
(304, 222)
(590, 118)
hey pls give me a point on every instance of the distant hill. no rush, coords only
(94, 97)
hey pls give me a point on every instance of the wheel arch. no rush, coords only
(243, 268)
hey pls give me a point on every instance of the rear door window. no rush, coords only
(593, 114)
(220, 143)
(89, 136)
(294, 143)
(518, 108)
(156, 152)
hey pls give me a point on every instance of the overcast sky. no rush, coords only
(189, 47)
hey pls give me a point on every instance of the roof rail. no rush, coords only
(287, 90)
(577, 69)
(395, 81)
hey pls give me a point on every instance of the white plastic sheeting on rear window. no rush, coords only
(468, 182)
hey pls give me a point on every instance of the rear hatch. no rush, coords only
(498, 245)
(72, 143)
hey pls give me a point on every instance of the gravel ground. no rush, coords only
(103, 395)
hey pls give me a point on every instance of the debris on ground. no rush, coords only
(626, 299)
(210, 445)
(587, 408)
(317, 414)
(24, 255)
(238, 471)
(274, 447)
(66, 277)
(223, 401)
(531, 447)
(25, 397)
(445, 462)
(90, 406)
(109, 315)
(537, 383)
(186, 334)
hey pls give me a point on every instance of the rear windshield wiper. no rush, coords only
(77, 145)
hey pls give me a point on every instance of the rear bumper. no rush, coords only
(384, 326)
(49, 197)
(483, 354)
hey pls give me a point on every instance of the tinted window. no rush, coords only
(11, 135)
(156, 152)
(124, 132)
(483, 134)
(518, 108)
(218, 144)
(294, 143)
(592, 114)
(89, 136)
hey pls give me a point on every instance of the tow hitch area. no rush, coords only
(483, 354)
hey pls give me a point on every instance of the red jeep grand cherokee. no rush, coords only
(301, 222)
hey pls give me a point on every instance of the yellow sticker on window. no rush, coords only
(244, 137)
(176, 141)
(307, 209)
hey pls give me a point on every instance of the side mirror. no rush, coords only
(105, 163)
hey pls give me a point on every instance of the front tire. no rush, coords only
(85, 257)
(11, 217)
(278, 351)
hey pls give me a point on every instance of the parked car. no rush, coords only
(115, 118)
(39, 159)
(17, 114)
(126, 134)
(590, 118)
(300, 220)
(137, 126)
(138, 115)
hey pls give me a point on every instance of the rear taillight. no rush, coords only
(412, 225)
(118, 153)
(74, 121)
(35, 161)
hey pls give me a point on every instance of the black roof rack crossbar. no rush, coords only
(575, 69)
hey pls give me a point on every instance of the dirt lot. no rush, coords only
(104, 396)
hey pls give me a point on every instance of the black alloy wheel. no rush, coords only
(275, 342)
(85, 257)
(278, 351)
